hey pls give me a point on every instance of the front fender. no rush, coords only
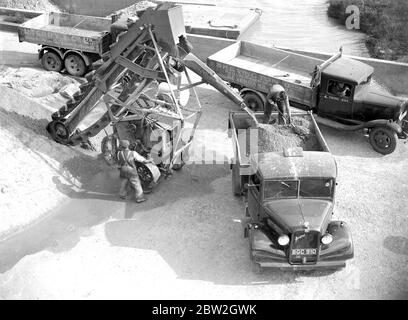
(342, 246)
(384, 123)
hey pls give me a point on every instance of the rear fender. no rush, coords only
(52, 49)
(259, 94)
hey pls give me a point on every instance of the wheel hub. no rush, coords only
(382, 140)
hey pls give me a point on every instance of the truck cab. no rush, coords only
(347, 92)
(290, 203)
(348, 99)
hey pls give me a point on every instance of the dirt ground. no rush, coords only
(186, 241)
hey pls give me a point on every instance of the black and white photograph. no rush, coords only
(228, 152)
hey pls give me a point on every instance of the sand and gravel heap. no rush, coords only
(272, 137)
(133, 9)
(35, 5)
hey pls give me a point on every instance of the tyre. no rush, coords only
(58, 131)
(75, 65)
(145, 174)
(383, 140)
(51, 61)
(253, 101)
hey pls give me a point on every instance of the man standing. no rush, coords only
(128, 171)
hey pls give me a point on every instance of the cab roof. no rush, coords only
(348, 70)
(313, 164)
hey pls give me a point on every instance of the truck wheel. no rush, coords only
(236, 180)
(75, 65)
(253, 101)
(383, 140)
(51, 61)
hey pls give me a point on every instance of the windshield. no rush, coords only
(281, 189)
(305, 188)
(316, 188)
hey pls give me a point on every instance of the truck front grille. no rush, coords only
(304, 247)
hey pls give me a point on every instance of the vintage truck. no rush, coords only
(339, 91)
(68, 41)
(289, 201)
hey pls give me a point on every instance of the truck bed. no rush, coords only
(68, 31)
(240, 121)
(249, 65)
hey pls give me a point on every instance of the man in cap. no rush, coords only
(128, 171)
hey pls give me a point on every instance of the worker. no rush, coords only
(275, 99)
(128, 171)
(341, 90)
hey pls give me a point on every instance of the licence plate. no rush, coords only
(303, 252)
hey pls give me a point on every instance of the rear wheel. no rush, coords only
(383, 140)
(253, 101)
(51, 61)
(75, 65)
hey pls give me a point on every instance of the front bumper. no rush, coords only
(267, 254)
(266, 262)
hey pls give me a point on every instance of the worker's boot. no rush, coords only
(140, 199)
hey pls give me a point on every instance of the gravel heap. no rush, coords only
(272, 137)
(132, 10)
(36, 5)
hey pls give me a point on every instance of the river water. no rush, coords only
(298, 24)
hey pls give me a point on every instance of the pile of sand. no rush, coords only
(49, 88)
(33, 165)
(272, 137)
(132, 10)
(35, 5)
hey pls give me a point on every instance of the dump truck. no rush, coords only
(339, 91)
(68, 41)
(289, 197)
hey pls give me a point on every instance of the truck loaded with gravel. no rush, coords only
(288, 177)
(340, 91)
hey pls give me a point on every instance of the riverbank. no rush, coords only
(385, 23)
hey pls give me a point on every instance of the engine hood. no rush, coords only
(373, 96)
(290, 214)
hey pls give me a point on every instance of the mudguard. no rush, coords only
(342, 247)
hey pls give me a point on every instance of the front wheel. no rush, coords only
(383, 140)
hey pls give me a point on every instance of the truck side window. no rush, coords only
(339, 88)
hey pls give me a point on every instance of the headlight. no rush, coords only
(327, 238)
(283, 240)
